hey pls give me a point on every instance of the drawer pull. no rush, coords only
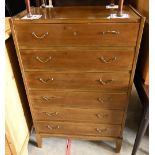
(101, 130)
(51, 114)
(102, 115)
(50, 98)
(110, 32)
(103, 100)
(45, 98)
(43, 61)
(105, 82)
(40, 37)
(45, 81)
(108, 60)
(53, 127)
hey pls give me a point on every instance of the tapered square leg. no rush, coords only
(118, 145)
(39, 140)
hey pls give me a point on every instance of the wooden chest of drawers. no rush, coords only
(78, 67)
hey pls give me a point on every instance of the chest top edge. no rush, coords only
(82, 14)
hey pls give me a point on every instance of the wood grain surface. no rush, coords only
(74, 99)
(94, 34)
(78, 81)
(71, 60)
(78, 65)
(79, 129)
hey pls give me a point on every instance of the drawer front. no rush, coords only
(78, 129)
(78, 81)
(105, 34)
(79, 115)
(74, 60)
(99, 100)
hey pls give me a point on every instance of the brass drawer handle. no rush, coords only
(102, 115)
(103, 130)
(108, 60)
(51, 114)
(40, 37)
(45, 98)
(103, 100)
(53, 127)
(110, 32)
(43, 61)
(50, 98)
(45, 80)
(105, 82)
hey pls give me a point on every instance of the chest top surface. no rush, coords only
(79, 14)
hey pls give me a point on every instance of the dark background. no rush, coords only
(13, 7)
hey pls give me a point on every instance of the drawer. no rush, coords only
(91, 34)
(99, 100)
(80, 81)
(78, 60)
(78, 129)
(79, 115)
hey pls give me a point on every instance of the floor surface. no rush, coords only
(57, 146)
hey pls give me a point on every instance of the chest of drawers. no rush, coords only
(78, 67)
